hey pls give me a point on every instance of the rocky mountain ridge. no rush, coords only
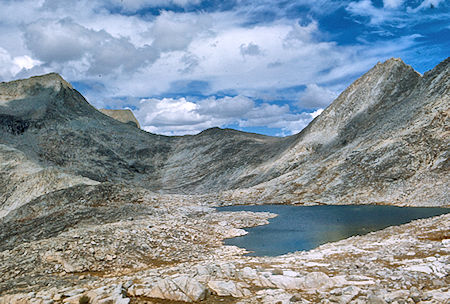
(92, 209)
(387, 132)
(384, 140)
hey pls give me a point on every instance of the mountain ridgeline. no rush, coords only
(385, 139)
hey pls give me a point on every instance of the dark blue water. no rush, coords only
(306, 227)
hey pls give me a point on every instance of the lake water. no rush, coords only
(306, 227)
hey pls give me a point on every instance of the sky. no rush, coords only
(183, 66)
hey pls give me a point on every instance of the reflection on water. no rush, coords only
(306, 227)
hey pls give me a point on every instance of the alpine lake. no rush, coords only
(306, 227)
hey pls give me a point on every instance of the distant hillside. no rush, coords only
(385, 139)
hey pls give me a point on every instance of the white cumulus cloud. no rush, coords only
(10, 66)
(315, 96)
(174, 32)
(180, 116)
(137, 49)
(250, 49)
(68, 43)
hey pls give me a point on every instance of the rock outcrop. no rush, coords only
(125, 116)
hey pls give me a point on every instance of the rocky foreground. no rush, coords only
(166, 253)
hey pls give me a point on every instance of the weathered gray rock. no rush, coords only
(125, 116)
(182, 288)
(374, 299)
(227, 288)
(317, 281)
(348, 294)
(73, 299)
(248, 273)
(396, 296)
(287, 282)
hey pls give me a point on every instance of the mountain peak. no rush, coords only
(22, 88)
(385, 84)
(394, 60)
(50, 80)
(391, 64)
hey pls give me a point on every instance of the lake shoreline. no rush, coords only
(295, 226)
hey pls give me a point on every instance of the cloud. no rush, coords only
(214, 56)
(136, 5)
(395, 12)
(426, 4)
(302, 34)
(366, 8)
(145, 55)
(260, 54)
(226, 107)
(278, 57)
(25, 62)
(250, 49)
(315, 96)
(65, 42)
(288, 123)
(6, 64)
(11, 66)
(125, 6)
(189, 62)
(174, 32)
(392, 3)
(316, 113)
(180, 116)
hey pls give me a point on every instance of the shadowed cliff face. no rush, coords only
(384, 139)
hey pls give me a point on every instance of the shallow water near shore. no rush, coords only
(306, 227)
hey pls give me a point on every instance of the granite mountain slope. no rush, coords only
(54, 126)
(383, 140)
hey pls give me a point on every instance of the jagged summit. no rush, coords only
(390, 62)
(386, 83)
(392, 65)
(49, 78)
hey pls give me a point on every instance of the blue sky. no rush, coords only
(186, 65)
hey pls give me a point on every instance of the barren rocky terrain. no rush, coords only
(125, 116)
(179, 257)
(93, 210)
